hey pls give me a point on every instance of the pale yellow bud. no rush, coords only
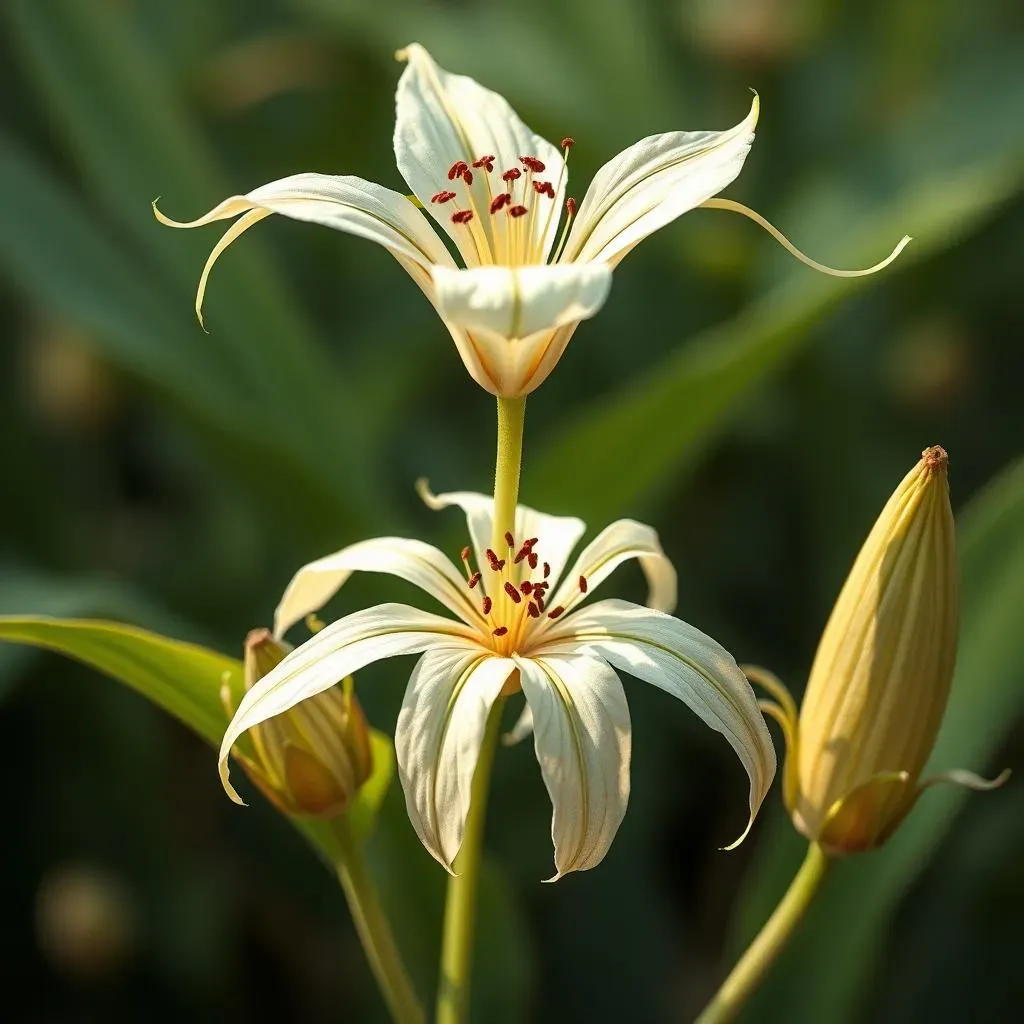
(881, 676)
(314, 758)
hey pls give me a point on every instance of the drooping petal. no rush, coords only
(437, 740)
(651, 183)
(443, 118)
(522, 728)
(582, 738)
(421, 564)
(556, 535)
(335, 652)
(617, 543)
(683, 661)
(343, 202)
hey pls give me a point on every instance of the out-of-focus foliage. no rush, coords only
(756, 413)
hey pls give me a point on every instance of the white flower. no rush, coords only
(498, 191)
(515, 627)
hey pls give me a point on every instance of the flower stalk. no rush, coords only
(771, 940)
(460, 902)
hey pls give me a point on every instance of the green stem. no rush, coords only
(372, 925)
(764, 950)
(460, 904)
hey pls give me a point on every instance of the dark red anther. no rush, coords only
(547, 570)
(511, 174)
(530, 543)
(492, 560)
(465, 553)
(555, 612)
(442, 197)
(457, 169)
(526, 586)
(503, 199)
(516, 211)
(485, 161)
(487, 606)
(544, 188)
(531, 163)
(510, 589)
(467, 176)
(540, 601)
(570, 206)
(531, 559)
(533, 611)
(568, 142)
(501, 631)
(583, 584)
(462, 216)
(522, 553)
(509, 539)
(474, 580)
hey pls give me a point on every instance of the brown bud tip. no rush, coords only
(570, 206)
(935, 457)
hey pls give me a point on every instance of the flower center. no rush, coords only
(520, 586)
(517, 204)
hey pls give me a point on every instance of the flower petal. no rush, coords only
(582, 737)
(343, 202)
(556, 535)
(623, 540)
(337, 651)
(442, 118)
(437, 740)
(522, 728)
(651, 183)
(683, 661)
(421, 564)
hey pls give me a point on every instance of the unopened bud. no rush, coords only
(313, 758)
(881, 676)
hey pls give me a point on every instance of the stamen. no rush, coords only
(467, 176)
(531, 163)
(487, 606)
(533, 611)
(517, 211)
(465, 556)
(523, 552)
(570, 212)
(531, 560)
(547, 570)
(486, 162)
(526, 586)
(583, 584)
(510, 589)
(555, 612)
(496, 563)
(512, 174)
(544, 188)
(442, 197)
(457, 169)
(540, 602)
(474, 579)
(462, 216)
(509, 539)
(570, 206)
(501, 631)
(568, 143)
(500, 201)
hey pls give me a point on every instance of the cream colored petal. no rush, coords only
(437, 740)
(343, 202)
(421, 564)
(556, 535)
(442, 118)
(332, 654)
(582, 737)
(518, 302)
(682, 661)
(651, 183)
(522, 728)
(623, 540)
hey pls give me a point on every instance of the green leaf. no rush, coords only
(828, 966)
(184, 679)
(654, 426)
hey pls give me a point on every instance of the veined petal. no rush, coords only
(343, 202)
(582, 737)
(422, 564)
(557, 535)
(437, 740)
(337, 651)
(442, 118)
(651, 183)
(517, 302)
(682, 661)
(617, 543)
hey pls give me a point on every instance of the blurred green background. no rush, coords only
(757, 413)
